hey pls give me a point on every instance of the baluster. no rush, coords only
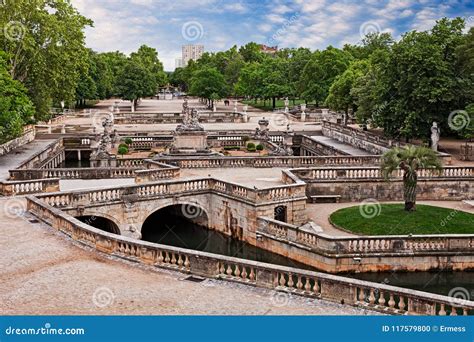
(401, 303)
(442, 311)
(381, 299)
(391, 301)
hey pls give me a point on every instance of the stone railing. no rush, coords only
(27, 136)
(41, 157)
(369, 295)
(268, 162)
(173, 117)
(12, 188)
(342, 173)
(312, 146)
(173, 188)
(75, 173)
(130, 162)
(365, 245)
(362, 139)
(156, 171)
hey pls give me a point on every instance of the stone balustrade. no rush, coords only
(370, 142)
(267, 162)
(75, 173)
(175, 187)
(156, 171)
(374, 296)
(365, 245)
(12, 188)
(342, 173)
(175, 117)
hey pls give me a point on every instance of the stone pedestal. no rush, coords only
(190, 142)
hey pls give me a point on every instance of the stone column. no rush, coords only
(303, 113)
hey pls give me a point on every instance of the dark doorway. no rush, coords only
(101, 223)
(280, 213)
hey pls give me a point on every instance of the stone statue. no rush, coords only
(190, 119)
(435, 133)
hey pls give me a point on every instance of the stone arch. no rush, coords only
(103, 222)
(175, 220)
(187, 209)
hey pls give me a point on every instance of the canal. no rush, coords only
(175, 230)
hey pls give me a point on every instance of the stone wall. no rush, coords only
(27, 136)
(355, 190)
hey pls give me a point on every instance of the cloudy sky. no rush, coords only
(219, 24)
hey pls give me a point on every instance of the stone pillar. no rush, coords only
(63, 129)
(287, 103)
(49, 129)
(235, 106)
(303, 113)
(79, 155)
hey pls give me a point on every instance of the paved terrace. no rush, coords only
(354, 151)
(45, 273)
(19, 155)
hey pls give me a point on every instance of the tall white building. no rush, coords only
(193, 52)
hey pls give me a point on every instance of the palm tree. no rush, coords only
(410, 159)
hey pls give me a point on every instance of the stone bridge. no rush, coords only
(226, 207)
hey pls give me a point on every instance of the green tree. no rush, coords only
(340, 96)
(116, 62)
(319, 73)
(209, 84)
(251, 52)
(16, 109)
(135, 82)
(44, 41)
(148, 58)
(420, 81)
(409, 159)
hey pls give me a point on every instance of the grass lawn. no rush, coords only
(394, 220)
(268, 104)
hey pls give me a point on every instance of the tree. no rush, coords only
(208, 84)
(275, 78)
(420, 81)
(116, 62)
(251, 52)
(148, 58)
(135, 82)
(16, 109)
(340, 96)
(45, 46)
(319, 73)
(410, 159)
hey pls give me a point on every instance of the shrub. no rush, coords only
(122, 150)
(259, 147)
(251, 149)
(123, 145)
(250, 145)
(128, 141)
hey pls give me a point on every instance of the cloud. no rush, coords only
(126, 24)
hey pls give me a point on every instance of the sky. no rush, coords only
(166, 25)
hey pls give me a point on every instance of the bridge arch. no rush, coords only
(176, 221)
(103, 222)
